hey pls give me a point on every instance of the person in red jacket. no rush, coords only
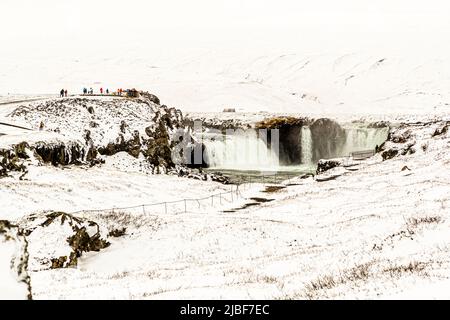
(101, 90)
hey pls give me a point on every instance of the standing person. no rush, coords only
(107, 91)
(101, 90)
(84, 91)
(91, 91)
(65, 93)
(61, 93)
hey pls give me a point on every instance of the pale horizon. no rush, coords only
(289, 25)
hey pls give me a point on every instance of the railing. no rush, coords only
(195, 204)
(218, 199)
(362, 155)
(177, 206)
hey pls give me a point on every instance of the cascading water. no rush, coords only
(359, 139)
(240, 151)
(300, 146)
(306, 146)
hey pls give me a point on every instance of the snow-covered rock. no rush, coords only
(57, 240)
(14, 279)
(327, 164)
(80, 129)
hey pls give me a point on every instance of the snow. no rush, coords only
(204, 80)
(360, 233)
(16, 136)
(70, 116)
(10, 286)
(71, 189)
(372, 232)
(375, 230)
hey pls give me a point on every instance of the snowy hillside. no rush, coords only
(263, 240)
(83, 129)
(376, 229)
(77, 178)
(236, 149)
(355, 83)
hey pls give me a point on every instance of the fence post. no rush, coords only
(232, 193)
(212, 200)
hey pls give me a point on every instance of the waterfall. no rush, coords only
(358, 139)
(240, 151)
(306, 146)
(299, 146)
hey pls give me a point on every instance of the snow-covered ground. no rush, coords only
(118, 183)
(379, 230)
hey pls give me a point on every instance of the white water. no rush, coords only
(307, 146)
(245, 151)
(359, 139)
(240, 151)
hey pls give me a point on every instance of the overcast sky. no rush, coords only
(294, 24)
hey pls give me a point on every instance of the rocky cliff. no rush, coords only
(84, 130)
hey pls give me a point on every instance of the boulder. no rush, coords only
(58, 240)
(325, 165)
(389, 154)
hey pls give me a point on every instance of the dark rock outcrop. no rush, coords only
(140, 126)
(70, 234)
(325, 165)
(12, 160)
(150, 97)
(328, 137)
(60, 154)
(131, 146)
(441, 130)
(401, 141)
(389, 154)
(290, 130)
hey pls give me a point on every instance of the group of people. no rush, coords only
(102, 91)
(86, 91)
(63, 93)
